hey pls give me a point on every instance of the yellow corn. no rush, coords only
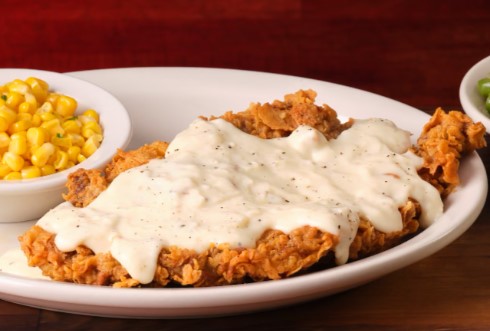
(41, 155)
(4, 140)
(36, 120)
(18, 86)
(66, 105)
(76, 139)
(52, 98)
(22, 125)
(39, 134)
(4, 170)
(14, 99)
(73, 152)
(36, 136)
(14, 161)
(30, 172)
(8, 114)
(61, 141)
(53, 127)
(24, 116)
(48, 116)
(18, 144)
(92, 113)
(47, 169)
(91, 145)
(31, 100)
(46, 107)
(72, 125)
(14, 175)
(61, 160)
(26, 107)
(81, 158)
(4, 125)
(39, 88)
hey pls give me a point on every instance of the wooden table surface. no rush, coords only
(414, 51)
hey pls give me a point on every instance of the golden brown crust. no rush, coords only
(442, 143)
(125, 160)
(276, 254)
(280, 118)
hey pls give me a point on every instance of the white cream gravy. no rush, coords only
(220, 185)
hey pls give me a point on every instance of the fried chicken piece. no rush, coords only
(280, 118)
(85, 185)
(442, 143)
(125, 160)
(276, 254)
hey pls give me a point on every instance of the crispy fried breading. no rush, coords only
(443, 141)
(276, 254)
(85, 185)
(280, 118)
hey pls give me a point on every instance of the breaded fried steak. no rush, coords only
(292, 187)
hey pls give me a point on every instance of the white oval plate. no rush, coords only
(473, 103)
(161, 102)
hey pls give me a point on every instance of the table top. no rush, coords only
(414, 52)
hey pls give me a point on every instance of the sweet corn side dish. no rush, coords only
(41, 131)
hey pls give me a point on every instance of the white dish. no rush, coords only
(163, 101)
(473, 103)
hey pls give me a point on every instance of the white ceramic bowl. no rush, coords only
(473, 103)
(28, 199)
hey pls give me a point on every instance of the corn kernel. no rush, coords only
(72, 125)
(18, 144)
(4, 140)
(76, 139)
(14, 175)
(61, 141)
(91, 128)
(30, 172)
(14, 161)
(41, 155)
(61, 160)
(47, 169)
(73, 152)
(36, 120)
(4, 125)
(18, 86)
(8, 114)
(66, 105)
(52, 98)
(31, 99)
(86, 119)
(46, 107)
(26, 107)
(39, 88)
(53, 127)
(36, 136)
(14, 99)
(48, 116)
(24, 116)
(92, 113)
(91, 145)
(22, 125)
(4, 170)
(81, 158)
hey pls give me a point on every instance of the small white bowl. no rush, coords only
(28, 199)
(473, 103)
